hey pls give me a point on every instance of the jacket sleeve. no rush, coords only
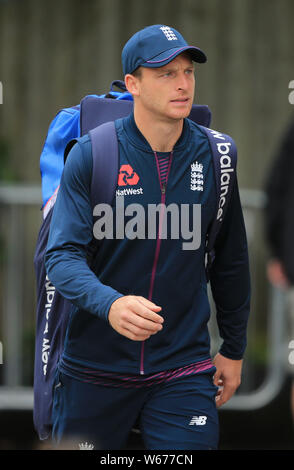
(71, 231)
(230, 280)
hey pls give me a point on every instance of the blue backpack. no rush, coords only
(95, 116)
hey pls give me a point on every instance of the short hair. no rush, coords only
(137, 72)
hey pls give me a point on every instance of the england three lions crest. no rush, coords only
(197, 182)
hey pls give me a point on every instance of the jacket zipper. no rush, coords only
(158, 242)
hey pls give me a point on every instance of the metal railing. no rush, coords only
(14, 396)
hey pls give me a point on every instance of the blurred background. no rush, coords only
(53, 53)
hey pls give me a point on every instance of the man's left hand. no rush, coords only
(227, 377)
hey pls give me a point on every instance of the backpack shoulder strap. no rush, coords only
(104, 171)
(224, 156)
(105, 163)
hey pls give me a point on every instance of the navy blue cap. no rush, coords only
(155, 46)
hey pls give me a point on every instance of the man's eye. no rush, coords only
(167, 74)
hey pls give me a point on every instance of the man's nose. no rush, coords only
(182, 82)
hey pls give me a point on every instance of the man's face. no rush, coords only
(168, 92)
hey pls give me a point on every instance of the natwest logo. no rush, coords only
(127, 176)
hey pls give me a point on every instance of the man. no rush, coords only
(137, 345)
(279, 231)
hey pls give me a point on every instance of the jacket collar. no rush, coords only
(138, 140)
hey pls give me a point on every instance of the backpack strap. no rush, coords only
(104, 171)
(224, 156)
(105, 163)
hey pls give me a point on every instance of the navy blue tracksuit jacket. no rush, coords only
(156, 268)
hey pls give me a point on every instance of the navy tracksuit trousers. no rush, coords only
(179, 414)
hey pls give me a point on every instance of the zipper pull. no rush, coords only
(163, 188)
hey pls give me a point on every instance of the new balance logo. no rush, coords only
(198, 421)
(169, 34)
(226, 169)
(127, 176)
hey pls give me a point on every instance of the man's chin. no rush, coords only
(180, 111)
(179, 115)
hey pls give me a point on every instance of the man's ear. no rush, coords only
(132, 84)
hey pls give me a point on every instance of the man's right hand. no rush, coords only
(135, 317)
(276, 274)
